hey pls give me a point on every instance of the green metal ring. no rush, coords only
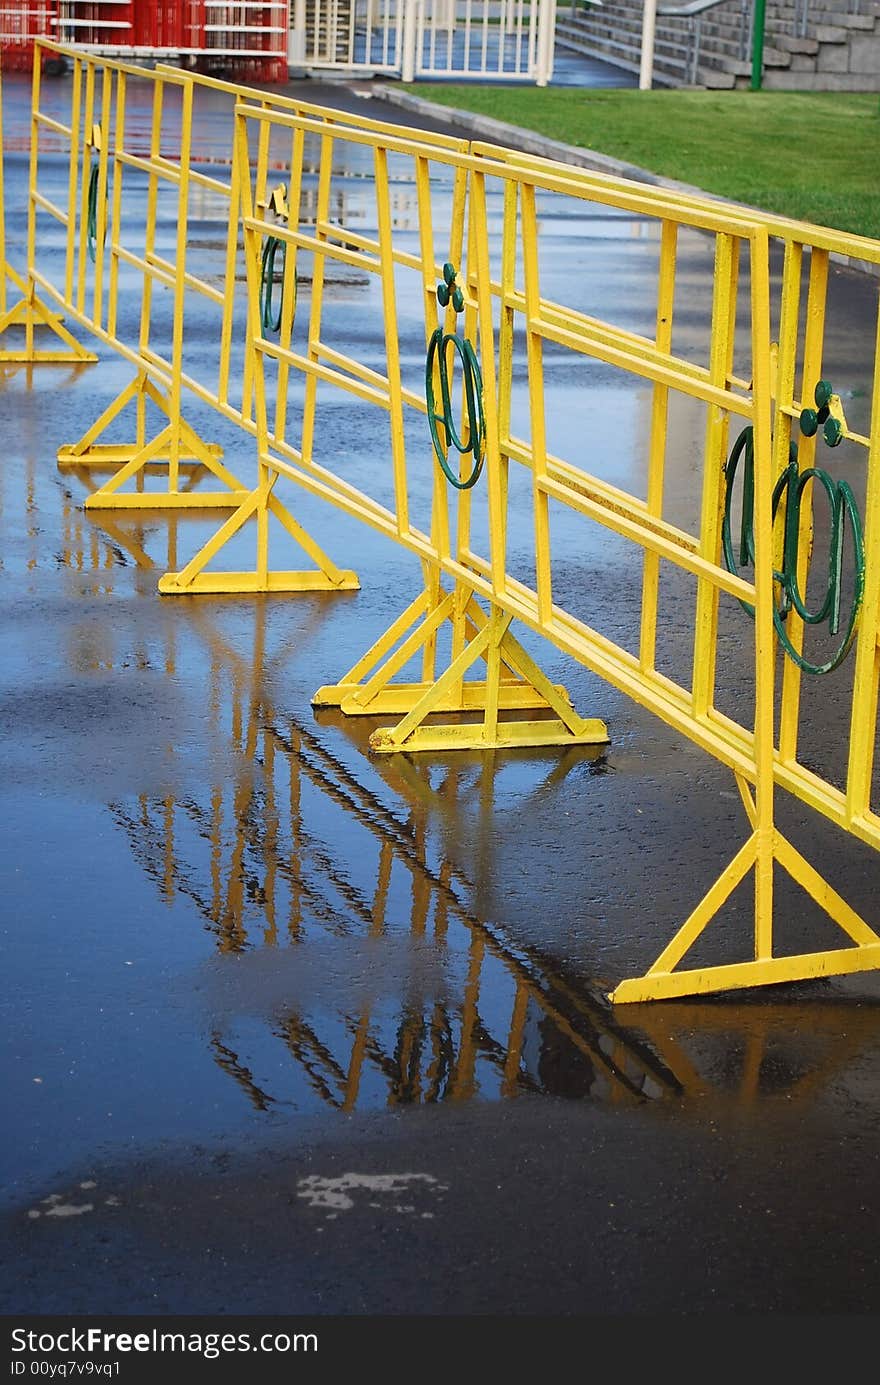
(473, 393)
(842, 502)
(270, 321)
(92, 214)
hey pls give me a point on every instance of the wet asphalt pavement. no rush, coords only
(292, 1029)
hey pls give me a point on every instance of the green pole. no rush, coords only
(758, 44)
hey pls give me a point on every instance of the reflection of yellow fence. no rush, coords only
(475, 249)
(292, 851)
(292, 854)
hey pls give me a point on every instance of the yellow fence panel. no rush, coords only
(767, 563)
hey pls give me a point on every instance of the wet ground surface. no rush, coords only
(292, 1028)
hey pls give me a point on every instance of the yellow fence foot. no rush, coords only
(513, 683)
(258, 505)
(244, 583)
(176, 452)
(29, 314)
(665, 981)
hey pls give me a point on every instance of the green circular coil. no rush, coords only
(92, 214)
(438, 349)
(270, 320)
(844, 513)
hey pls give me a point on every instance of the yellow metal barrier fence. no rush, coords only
(28, 313)
(472, 250)
(133, 177)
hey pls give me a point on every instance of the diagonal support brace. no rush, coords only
(513, 683)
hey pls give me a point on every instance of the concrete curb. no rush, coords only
(499, 132)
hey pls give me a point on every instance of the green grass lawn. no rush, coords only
(813, 156)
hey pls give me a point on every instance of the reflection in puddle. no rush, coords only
(352, 969)
(381, 983)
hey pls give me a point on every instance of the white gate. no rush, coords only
(351, 35)
(492, 39)
(484, 38)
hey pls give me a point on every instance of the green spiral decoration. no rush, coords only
(844, 511)
(439, 355)
(92, 214)
(270, 320)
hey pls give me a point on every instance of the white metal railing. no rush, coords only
(482, 38)
(355, 35)
(506, 39)
(802, 15)
(694, 13)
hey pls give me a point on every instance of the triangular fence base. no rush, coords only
(513, 683)
(29, 314)
(259, 505)
(176, 452)
(665, 981)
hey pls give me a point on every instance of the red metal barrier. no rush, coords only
(20, 23)
(248, 41)
(96, 23)
(160, 24)
(230, 37)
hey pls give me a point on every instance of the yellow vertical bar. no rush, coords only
(101, 218)
(478, 227)
(88, 122)
(288, 305)
(439, 494)
(392, 345)
(508, 312)
(227, 323)
(866, 684)
(176, 390)
(252, 265)
(322, 211)
(72, 176)
(116, 203)
(499, 623)
(468, 328)
(152, 207)
(264, 132)
(463, 596)
(765, 638)
(535, 357)
(259, 195)
(814, 334)
(657, 447)
(33, 164)
(720, 359)
(431, 577)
